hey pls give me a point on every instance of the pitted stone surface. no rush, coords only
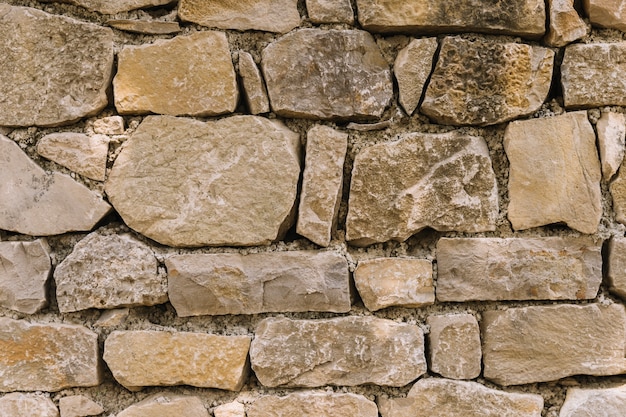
(160, 405)
(148, 27)
(18, 404)
(565, 24)
(606, 13)
(112, 125)
(605, 402)
(313, 404)
(114, 6)
(253, 85)
(330, 11)
(454, 341)
(616, 268)
(232, 409)
(79, 406)
(611, 130)
(618, 193)
(85, 155)
(412, 68)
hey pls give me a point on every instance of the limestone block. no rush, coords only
(18, 404)
(79, 406)
(47, 357)
(112, 125)
(611, 129)
(253, 86)
(234, 409)
(187, 75)
(230, 182)
(554, 172)
(565, 24)
(454, 346)
(149, 27)
(114, 6)
(606, 13)
(546, 343)
(444, 181)
(144, 358)
(484, 83)
(402, 282)
(54, 70)
(330, 11)
(550, 268)
(607, 402)
(313, 404)
(327, 74)
(618, 192)
(344, 351)
(112, 318)
(85, 155)
(616, 268)
(167, 405)
(321, 184)
(412, 68)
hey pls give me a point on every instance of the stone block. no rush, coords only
(611, 131)
(330, 11)
(79, 406)
(454, 341)
(233, 409)
(112, 125)
(253, 85)
(147, 27)
(313, 404)
(412, 67)
(114, 6)
(160, 405)
(605, 402)
(566, 25)
(85, 155)
(606, 13)
(18, 404)
(616, 268)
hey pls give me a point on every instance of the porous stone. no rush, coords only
(403, 282)
(47, 357)
(330, 11)
(321, 184)
(112, 125)
(344, 351)
(550, 268)
(484, 83)
(144, 358)
(412, 68)
(79, 406)
(187, 75)
(234, 409)
(565, 24)
(18, 404)
(149, 27)
(606, 13)
(114, 6)
(611, 129)
(618, 192)
(443, 181)
(554, 172)
(167, 405)
(41, 203)
(112, 318)
(313, 404)
(85, 155)
(454, 341)
(230, 182)
(327, 74)
(616, 268)
(546, 343)
(54, 69)
(253, 86)
(605, 402)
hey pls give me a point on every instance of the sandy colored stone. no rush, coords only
(161, 358)
(230, 182)
(412, 68)
(18, 404)
(605, 402)
(112, 125)
(330, 11)
(187, 75)
(234, 409)
(454, 342)
(85, 155)
(112, 318)
(546, 343)
(606, 13)
(344, 351)
(566, 25)
(443, 181)
(484, 83)
(313, 404)
(109, 271)
(611, 130)
(618, 192)
(79, 406)
(54, 69)
(327, 74)
(149, 27)
(160, 405)
(253, 86)
(114, 6)
(554, 172)
(616, 266)
(321, 184)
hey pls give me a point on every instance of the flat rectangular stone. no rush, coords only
(454, 342)
(313, 404)
(616, 271)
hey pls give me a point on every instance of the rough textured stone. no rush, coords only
(313, 404)
(606, 13)
(269, 15)
(330, 11)
(26, 405)
(551, 268)
(403, 282)
(160, 405)
(234, 409)
(114, 6)
(43, 203)
(150, 27)
(107, 272)
(253, 86)
(187, 75)
(444, 181)
(611, 128)
(618, 192)
(616, 268)
(484, 83)
(85, 155)
(565, 24)
(229, 182)
(412, 68)
(341, 351)
(546, 343)
(47, 357)
(142, 358)
(607, 402)
(554, 173)
(258, 283)
(454, 341)
(327, 74)
(112, 318)
(54, 69)
(321, 184)
(79, 406)
(112, 125)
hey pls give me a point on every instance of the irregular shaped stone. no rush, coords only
(112, 125)
(402, 282)
(322, 184)
(606, 402)
(149, 27)
(454, 341)
(253, 86)
(143, 358)
(108, 271)
(484, 83)
(112, 318)
(559, 180)
(412, 68)
(606, 13)
(330, 11)
(114, 6)
(327, 74)
(234, 409)
(313, 404)
(344, 351)
(230, 182)
(54, 69)
(546, 343)
(611, 129)
(565, 24)
(616, 268)
(550, 268)
(195, 76)
(444, 181)
(79, 406)
(85, 155)
(618, 192)
(47, 357)
(43, 203)
(269, 15)
(24, 405)
(167, 405)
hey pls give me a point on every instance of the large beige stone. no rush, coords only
(412, 68)
(313, 404)
(148, 27)
(18, 404)
(232, 409)
(54, 69)
(554, 172)
(144, 358)
(341, 351)
(187, 75)
(616, 266)
(160, 405)
(443, 181)
(47, 357)
(605, 402)
(565, 24)
(606, 13)
(618, 192)
(114, 6)
(484, 83)
(611, 130)
(330, 11)
(546, 343)
(79, 406)
(85, 155)
(228, 182)
(454, 342)
(253, 85)
(327, 74)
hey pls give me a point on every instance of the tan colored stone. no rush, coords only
(114, 6)
(546, 343)
(253, 86)
(618, 192)
(554, 172)
(566, 25)
(79, 406)
(313, 404)
(112, 318)
(321, 184)
(187, 75)
(606, 402)
(327, 74)
(606, 13)
(54, 70)
(484, 83)
(230, 182)
(330, 11)
(27, 405)
(112, 125)
(160, 405)
(611, 129)
(412, 68)
(149, 27)
(85, 155)
(47, 357)
(160, 358)
(234, 409)
(454, 341)
(616, 268)
(444, 181)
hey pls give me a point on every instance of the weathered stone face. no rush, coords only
(607, 402)
(79, 406)
(611, 130)
(313, 404)
(412, 68)
(330, 11)
(233, 409)
(22, 405)
(618, 192)
(147, 27)
(167, 405)
(454, 341)
(114, 6)
(616, 269)
(606, 13)
(228, 182)
(112, 125)
(85, 155)
(565, 24)
(253, 86)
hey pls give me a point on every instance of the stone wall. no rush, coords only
(312, 208)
